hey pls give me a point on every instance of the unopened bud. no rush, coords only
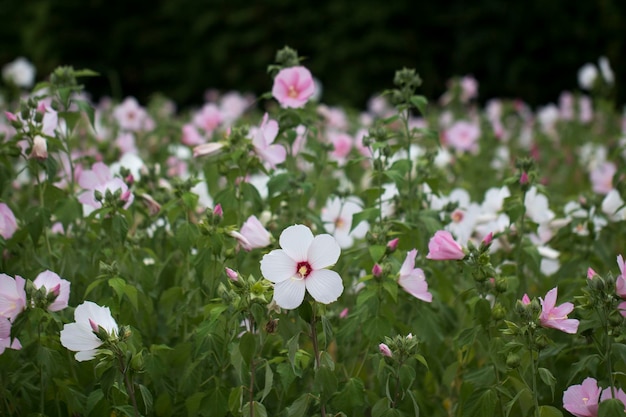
(377, 270)
(393, 244)
(232, 274)
(384, 349)
(217, 211)
(40, 148)
(513, 360)
(591, 273)
(94, 326)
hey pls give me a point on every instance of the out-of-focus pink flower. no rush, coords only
(263, 141)
(217, 210)
(393, 244)
(293, 86)
(469, 88)
(602, 177)
(342, 145)
(620, 282)
(463, 136)
(5, 336)
(384, 350)
(443, 247)
(412, 279)
(12, 296)
(582, 400)
(53, 283)
(80, 337)
(619, 394)
(344, 313)
(130, 115)
(8, 223)
(99, 179)
(252, 234)
(556, 317)
(208, 118)
(301, 265)
(191, 137)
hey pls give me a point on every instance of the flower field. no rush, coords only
(277, 256)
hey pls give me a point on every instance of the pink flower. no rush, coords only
(54, 284)
(463, 136)
(344, 313)
(442, 247)
(384, 349)
(619, 394)
(556, 317)
(301, 265)
(412, 279)
(99, 179)
(602, 177)
(342, 145)
(207, 149)
(263, 142)
(620, 283)
(252, 234)
(12, 296)
(5, 336)
(80, 337)
(130, 115)
(293, 87)
(191, 137)
(582, 400)
(377, 270)
(8, 223)
(591, 273)
(208, 118)
(393, 244)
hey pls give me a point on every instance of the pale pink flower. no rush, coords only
(80, 336)
(301, 265)
(5, 336)
(602, 177)
(384, 350)
(620, 283)
(469, 88)
(99, 179)
(587, 75)
(582, 400)
(442, 247)
(191, 137)
(208, 118)
(412, 279)
(8, 223)
(12, 296)
(293, 87)
(585, 107)
(463, 136)
(252, 234)
(53, 283)
(342, 145)
(130, 115)
(619, 394)
(126, 142)
(232, 106)
(556, 317)
(263, 141)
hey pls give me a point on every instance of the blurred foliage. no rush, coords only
(531, 49)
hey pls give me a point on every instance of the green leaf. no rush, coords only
(187, 236)
(119, 286)
(549, 411)
(325, 382)
(611, 408)
(482, 312)
(247, 347)
(407, 376)
(269, 380)
(369, 214)
(257, 408)
(377, 252)
(299, 407)
(146, 398)
(548, 379)
(93, 401)
(192, 403)
(235, 399)
(420, 103)
(87, 109)
(380, 408)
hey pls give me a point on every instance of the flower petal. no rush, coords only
(324, 285)
(79, 337)
(289, 293)
(323, 252)
(295, 241)
(277, 266)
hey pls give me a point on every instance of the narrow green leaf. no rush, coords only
(549, 411)
(247, 347)
(269, 380)
(548, 379)
(299, 407)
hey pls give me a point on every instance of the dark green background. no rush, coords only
(528, 49)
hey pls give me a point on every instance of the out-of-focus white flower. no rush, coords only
(605, 70)
(20, 72)
(587, 75)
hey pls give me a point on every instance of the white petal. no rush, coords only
(85, 355)
(100, 315)
(277, 266)
(323, 252)
(295, 241)
(324, 285)
(289, 294)
(78, 337)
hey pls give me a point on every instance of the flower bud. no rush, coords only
(377, 270)
(40, 148)
(393, 244)
(384, 350)
(217, 211)
(233, 275)
(513, 360)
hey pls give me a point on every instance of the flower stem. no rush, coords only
(316, 352)
(128, 383)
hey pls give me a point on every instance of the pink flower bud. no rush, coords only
(40, 148)
(129, 180)
(344, 313)
(525, 300)
(217, 211)
(393, 244)
(94, 326)
(523, 179)
(377, 270)
(125, 197)
(41, 107)
(11, 117)
(56, 290)
(488, 239)
(591, 273)
(232, 274)
(384, 349)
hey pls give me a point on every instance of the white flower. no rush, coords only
(605, 70)
(537, 207)
(587, 75)
(20, 72)
(300, 265)
(337, 216)
(80, 336)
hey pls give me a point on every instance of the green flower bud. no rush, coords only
(513, 360)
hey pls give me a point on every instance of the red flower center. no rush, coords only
(292, 92)
(303, 269)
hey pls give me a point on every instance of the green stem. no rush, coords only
(128, 383)
(534, 362)
(316, 352)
